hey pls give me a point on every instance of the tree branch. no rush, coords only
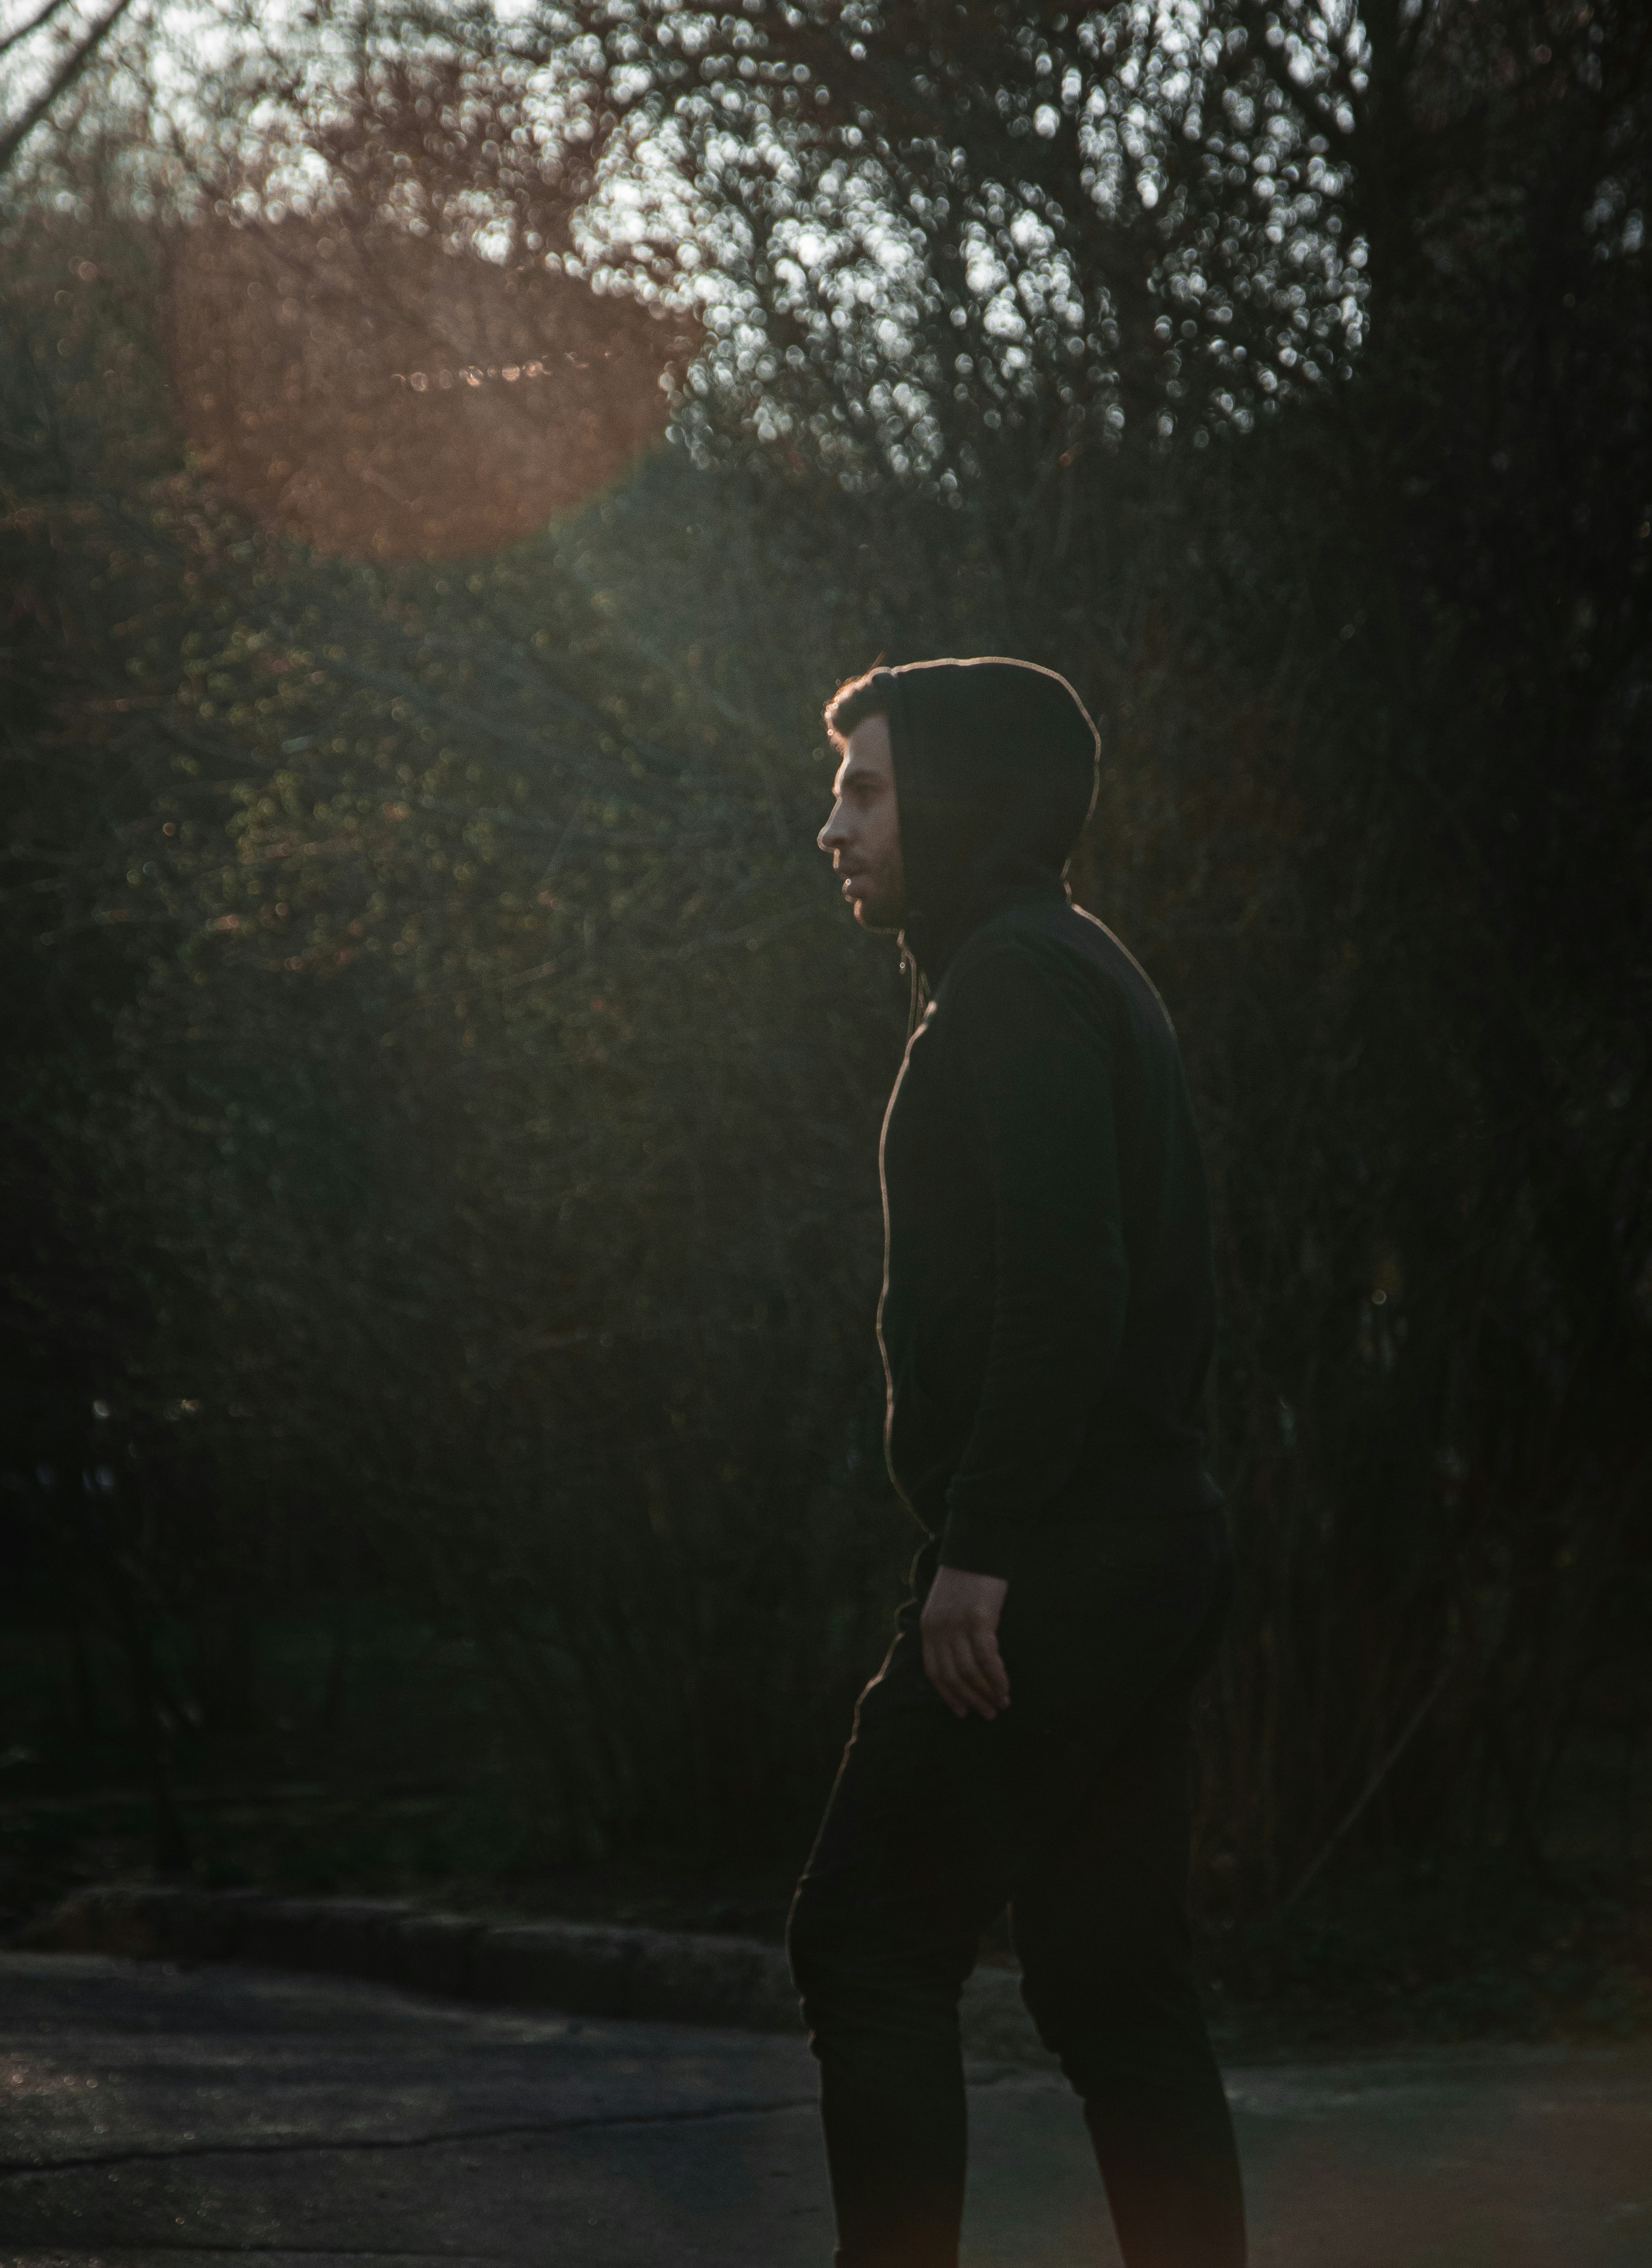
(68, 71)
(40, 15)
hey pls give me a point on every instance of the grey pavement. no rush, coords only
(159, 2113)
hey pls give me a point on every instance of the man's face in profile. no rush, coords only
(862, 838)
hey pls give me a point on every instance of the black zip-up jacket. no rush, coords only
(1048, 1307)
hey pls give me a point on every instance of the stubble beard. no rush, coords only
(882, 915)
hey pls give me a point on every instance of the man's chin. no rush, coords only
(878, 916)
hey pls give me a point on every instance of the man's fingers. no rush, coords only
(959, 1628)
(939, 1667)
(965, 1676)
(941, 1663)
(991, 1664)
(987, 1670)
(965, 1669)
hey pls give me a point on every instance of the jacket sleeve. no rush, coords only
(1036, 1082)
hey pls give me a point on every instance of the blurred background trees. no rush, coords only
(441, 1144)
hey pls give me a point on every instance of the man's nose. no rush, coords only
(831, 837)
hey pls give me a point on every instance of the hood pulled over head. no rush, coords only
(995, 773)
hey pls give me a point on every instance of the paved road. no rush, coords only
(157, 2114)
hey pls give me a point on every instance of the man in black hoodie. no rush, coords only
(1046, 1326)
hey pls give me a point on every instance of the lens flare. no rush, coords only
(384, 397)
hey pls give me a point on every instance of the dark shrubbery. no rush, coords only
(442, 1139)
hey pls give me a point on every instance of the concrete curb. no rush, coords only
(585, 1968)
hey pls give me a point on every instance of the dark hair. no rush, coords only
(856, 699)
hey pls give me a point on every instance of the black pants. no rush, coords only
(1072, 1807)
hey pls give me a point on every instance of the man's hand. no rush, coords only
(959, 1627)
